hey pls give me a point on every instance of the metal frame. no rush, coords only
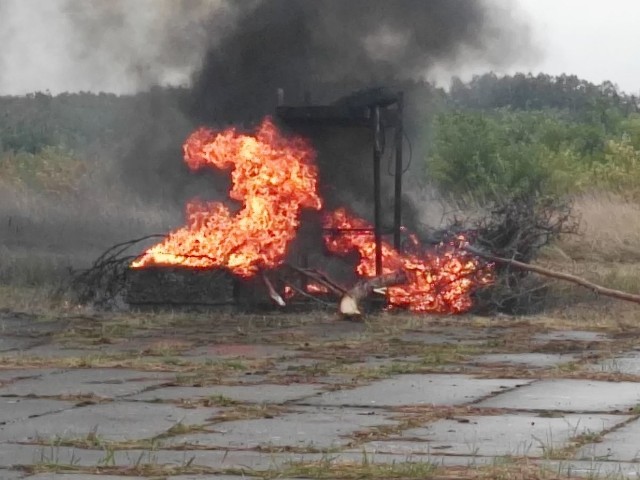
(374, 115)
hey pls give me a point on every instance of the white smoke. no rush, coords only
(103, 45)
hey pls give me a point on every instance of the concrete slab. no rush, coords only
(570, 396)
(451, 336)
(500, 435)
(13, 455)
(595, 469)
(11, 474)
(81, 476)
(628, 364)
(418, 389)
(114, 421)
(18, 409)
(214, 477)
(8, 344)
(25, 325)
(102, 382)
(249, 351)
(317, 428)
(56, 351)
(569, 335)
(620, 445)
(247, 394)
(24, 373)
(530, 360)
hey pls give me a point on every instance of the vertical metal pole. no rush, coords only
(397, 205)
(377, 155)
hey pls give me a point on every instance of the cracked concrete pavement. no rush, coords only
(184, 396)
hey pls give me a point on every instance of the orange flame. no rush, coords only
(273, 177)
(441, 280)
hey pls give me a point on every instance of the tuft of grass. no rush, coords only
(367, 468)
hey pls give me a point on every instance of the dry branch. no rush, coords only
(321, 279)
(349, 303)
(275, 296)
(599, 289)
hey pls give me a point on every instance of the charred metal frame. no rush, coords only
(377, 116)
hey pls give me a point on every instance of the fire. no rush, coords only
(316, 288)
(273, 178)
(441, 279)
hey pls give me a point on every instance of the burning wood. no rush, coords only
(320, 278)
(440, 279)
(274, 178)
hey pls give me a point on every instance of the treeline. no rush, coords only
(542, 135)
(49, 143)
(491, 136)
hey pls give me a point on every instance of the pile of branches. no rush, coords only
(517, 229)
(104, 285)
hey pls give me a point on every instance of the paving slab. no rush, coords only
(531, 360)
(82, 476)
(236, 351)
(594, 470)
(13, 455)
(262, 393)
(317, 428)
(8, 344)
(570, 395)
(569, 335)
(500, 435)
(114, 421)
(11, 474)
(56, 351)
(451, 336)
(24, 373)
(418, 390)
(102, 382)
(25, 325)
(17, 409)
(627, 364)
(622, 444)
(216, 477)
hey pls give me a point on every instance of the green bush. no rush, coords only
(51, 170)
(502, 153)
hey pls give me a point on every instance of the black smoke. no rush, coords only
(328, 48)
(305, 45)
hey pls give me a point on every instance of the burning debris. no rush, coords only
(274, 178)
(439, 279)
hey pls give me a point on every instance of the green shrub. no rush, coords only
(502, 153)
(51, 170)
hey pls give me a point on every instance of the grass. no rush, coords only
(366, 468)
(610, 230)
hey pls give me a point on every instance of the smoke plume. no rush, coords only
(120, 46)
(233, 55)
(300, 45)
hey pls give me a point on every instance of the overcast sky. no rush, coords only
(594, 39)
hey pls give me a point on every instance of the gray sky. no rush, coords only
(593, 39)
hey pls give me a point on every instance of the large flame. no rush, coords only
(440, 279)
(273, 177)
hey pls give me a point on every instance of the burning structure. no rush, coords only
(303, 201)
(275, 179)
